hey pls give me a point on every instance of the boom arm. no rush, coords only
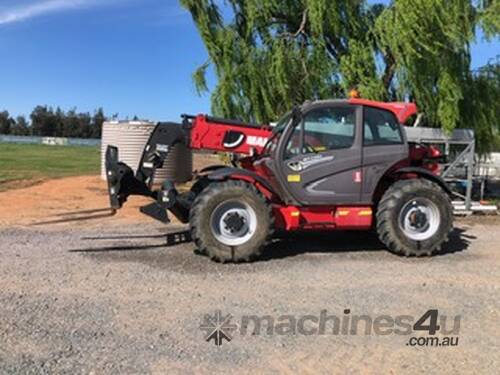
(213, 134)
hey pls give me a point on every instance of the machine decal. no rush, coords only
(305, 163)
(162, 148)
(312, 160)
(257, 141)
(312, 188)
(358, 177)
(294, 178)
(233, 139)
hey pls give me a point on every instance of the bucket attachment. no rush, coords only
(122, 183)
(121, 180)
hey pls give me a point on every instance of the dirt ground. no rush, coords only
(72, 198)
(109, 296)
(63, 199)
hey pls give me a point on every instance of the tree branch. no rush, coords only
(390, 70)
(301, 29)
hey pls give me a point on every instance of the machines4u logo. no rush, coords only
(218, 327)
(429, 329)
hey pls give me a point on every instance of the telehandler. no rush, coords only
(326, 165)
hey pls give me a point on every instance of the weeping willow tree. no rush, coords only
(430, 41)
(268, 55)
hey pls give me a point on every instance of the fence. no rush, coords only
(51, 141)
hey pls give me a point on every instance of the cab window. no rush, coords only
(324, 129)
(380, 128)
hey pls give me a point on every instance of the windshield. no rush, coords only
(277, 131)
(282, 123)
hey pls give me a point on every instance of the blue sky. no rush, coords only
(132, 57)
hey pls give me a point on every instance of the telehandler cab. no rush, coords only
(326, 165)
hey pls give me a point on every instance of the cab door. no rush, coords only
(384, 146)
(321, 157)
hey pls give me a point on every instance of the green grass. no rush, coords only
(39, 162)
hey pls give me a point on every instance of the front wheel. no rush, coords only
(414, 217)
(231, 221)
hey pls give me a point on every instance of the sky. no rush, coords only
(131, 57)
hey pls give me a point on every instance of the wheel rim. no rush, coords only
(233, 223)
(419, 219)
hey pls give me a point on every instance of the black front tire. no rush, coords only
(389, 211)
(212, 197)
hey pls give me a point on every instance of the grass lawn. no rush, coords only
(39, 162)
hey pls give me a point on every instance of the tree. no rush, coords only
(6, 122)
(269, 55)
(482, 106)
(20, 127)
(97, 120)
(42, 121)
(430, 41)
(47, 122)
(58, 120)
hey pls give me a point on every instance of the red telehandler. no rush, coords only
(326, 165)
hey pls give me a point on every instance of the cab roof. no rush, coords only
(401, 110)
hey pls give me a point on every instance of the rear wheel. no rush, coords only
(414, 217)
(231, 221)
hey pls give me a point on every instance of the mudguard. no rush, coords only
(424, 173)
(222, 174)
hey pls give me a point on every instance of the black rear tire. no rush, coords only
(207, 204)
(398, 224)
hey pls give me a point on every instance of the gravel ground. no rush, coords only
(126, 303)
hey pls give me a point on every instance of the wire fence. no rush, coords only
(51, 141)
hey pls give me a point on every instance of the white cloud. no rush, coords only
(38, 8)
